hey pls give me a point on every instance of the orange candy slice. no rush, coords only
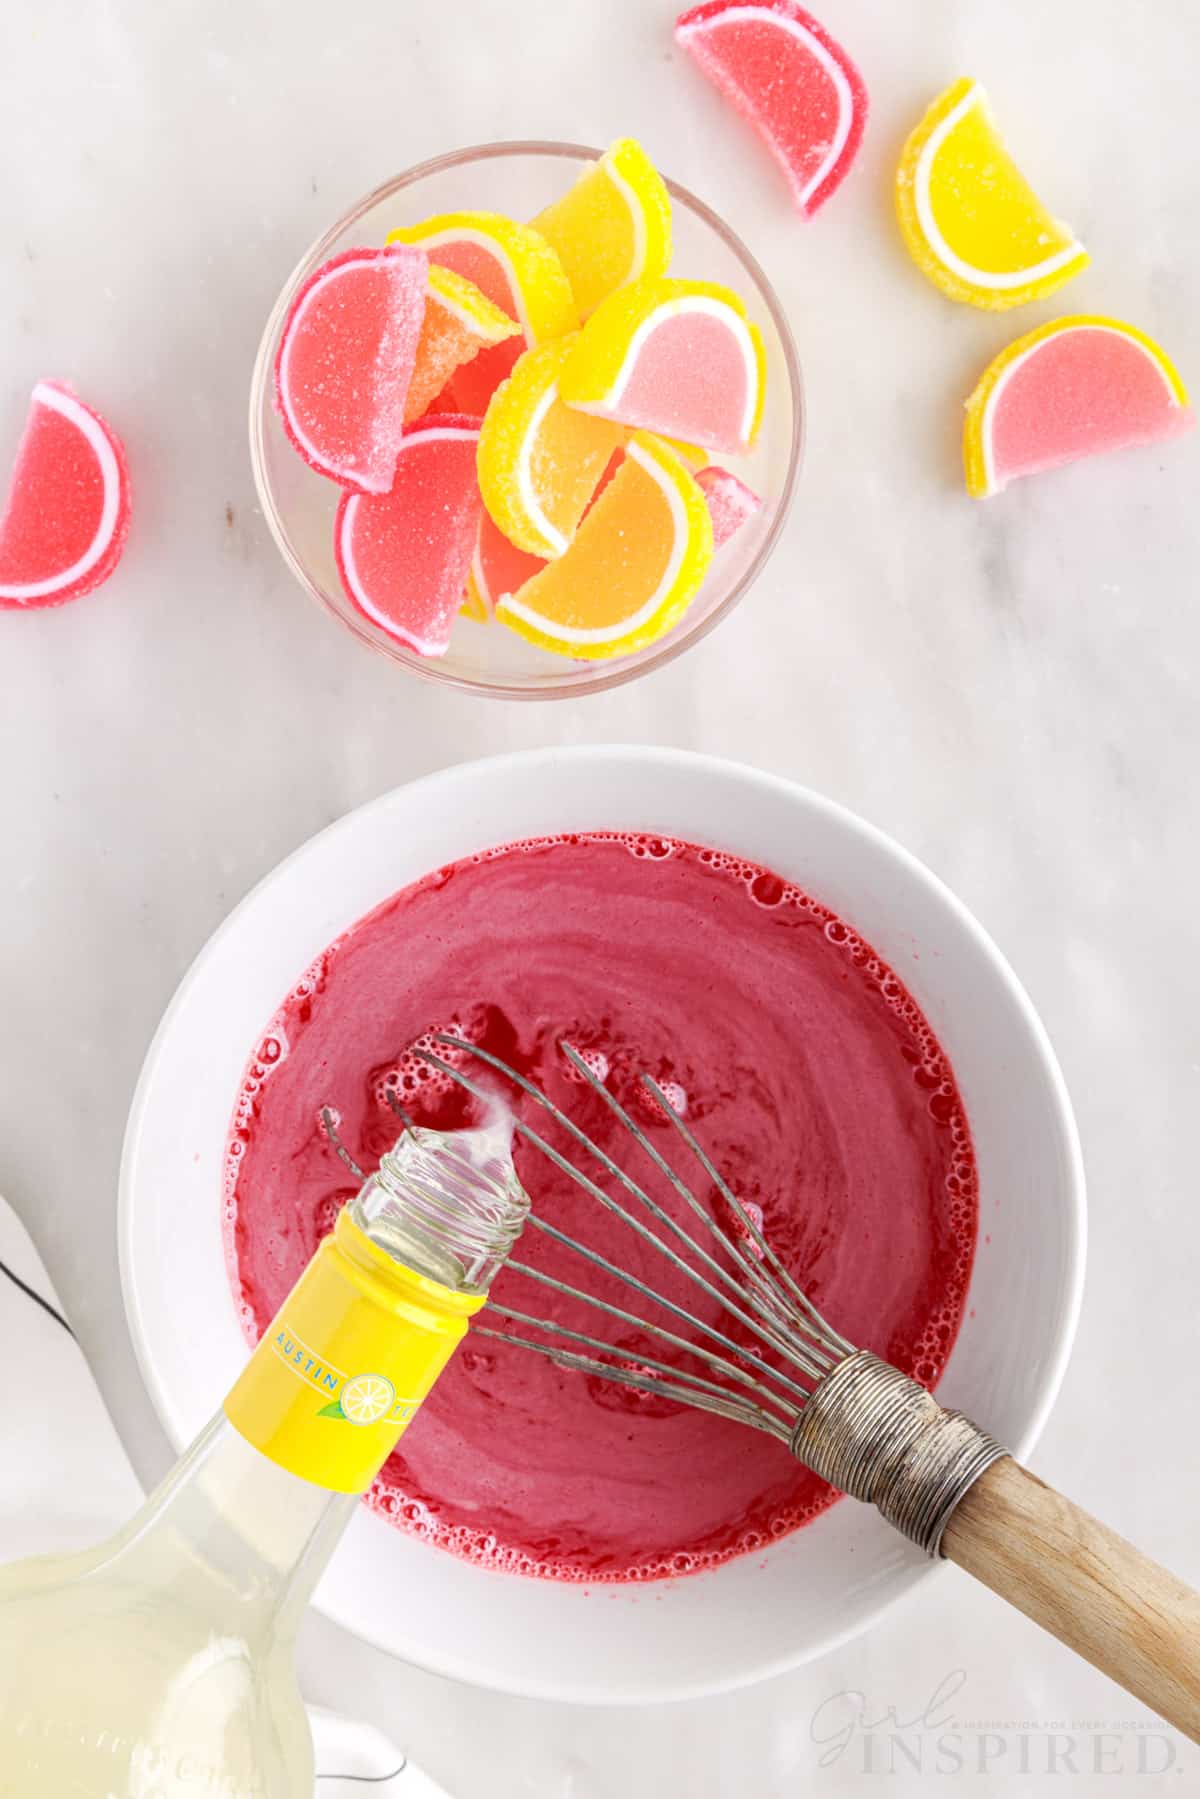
(515, 268)
(459, 322)
(633, 568)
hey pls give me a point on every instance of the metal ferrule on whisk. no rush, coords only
(876, 1433)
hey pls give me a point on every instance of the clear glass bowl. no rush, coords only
(299, 505)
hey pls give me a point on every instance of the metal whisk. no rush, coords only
(864, 1426)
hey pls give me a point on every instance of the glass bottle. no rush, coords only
(159, 1665)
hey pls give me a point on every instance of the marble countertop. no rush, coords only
(1010, 689)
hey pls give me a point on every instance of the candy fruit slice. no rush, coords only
(66, 518)
(1074, 388)
(515, 268)
(679, 358)
(403, 556)
(730, 502)
(791, 80)
(497, 567)
(459, 322)
(345, 359)
(970, 219)
(693, 454)
(633, 568)
(539, 460)
(612, 226)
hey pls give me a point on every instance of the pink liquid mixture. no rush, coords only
(808, 1074)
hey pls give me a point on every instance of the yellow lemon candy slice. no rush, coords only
(970, 219)
(539, 461)
(511, 264)
(634, 566)
(679, 358)
(613, 226)
(694, 455)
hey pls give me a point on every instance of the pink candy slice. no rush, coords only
(403, 556)
(694, 380)
(345, 360)
(730, 502)
(1076, 394)
(472, 385)
(795, 84)
(67, 515)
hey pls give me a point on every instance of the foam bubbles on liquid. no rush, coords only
(411, 1077)
(675, 1096)
(481, 1547)
(596, 1061)
(748, 1242)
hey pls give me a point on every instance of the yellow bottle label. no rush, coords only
(342, 1368)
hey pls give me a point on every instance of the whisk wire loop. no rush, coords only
(792, 1348)
(770, 1326)
(771, 1307)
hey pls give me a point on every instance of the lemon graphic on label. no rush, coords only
(367, 1398)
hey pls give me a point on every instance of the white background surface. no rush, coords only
(1010, 689)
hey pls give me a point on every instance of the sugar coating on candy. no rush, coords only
(970, 219)
(67, 513)
(679, 358)
(540, 460)
(794, 83)
(633, 568)
(1077, 387)
(516, 269)
(345, 359)
(613, 225)
(730, 502)
(497, 567)
(403, 556)
(459, 322)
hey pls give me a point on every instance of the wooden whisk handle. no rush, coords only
(1083, 1583)
(956, 1491)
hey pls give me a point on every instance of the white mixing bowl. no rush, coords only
(754, 1616)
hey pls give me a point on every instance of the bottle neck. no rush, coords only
(262, 1497)
(376, 1315)
(447, 1205)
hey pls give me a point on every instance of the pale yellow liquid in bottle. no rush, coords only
(159, 1665)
